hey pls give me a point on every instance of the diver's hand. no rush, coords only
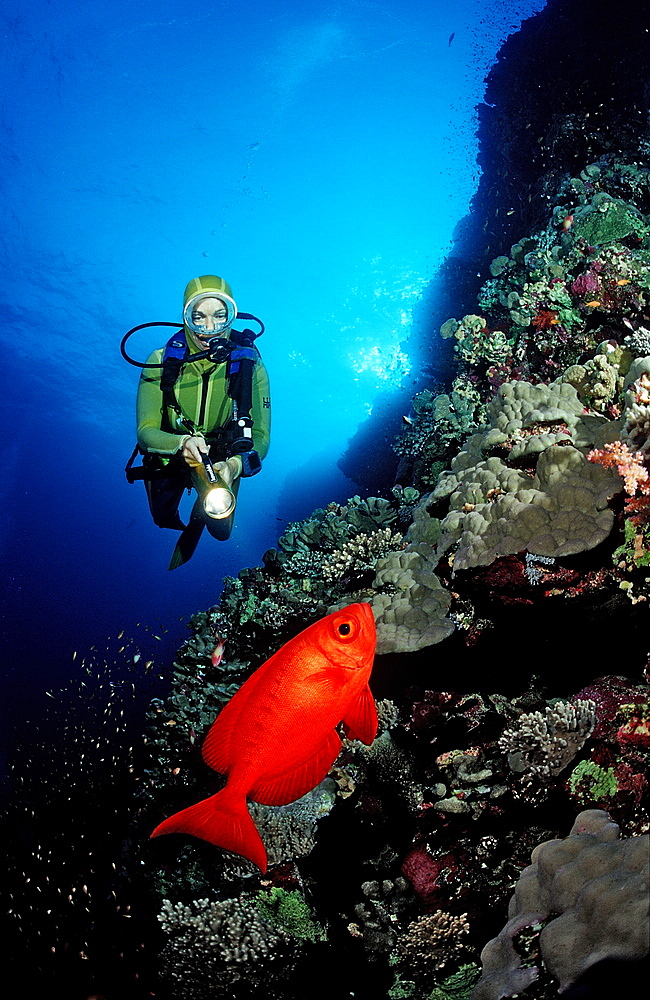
(229, 470)
(192, 449)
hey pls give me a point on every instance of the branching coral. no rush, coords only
(360, 554)
(214, 944)
(429, 943)
(629, 465)
(546, 743)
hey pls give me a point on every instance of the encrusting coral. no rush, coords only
(411, 604)
(497, 511)
(590, 891)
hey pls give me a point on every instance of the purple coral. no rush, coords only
(586, 284)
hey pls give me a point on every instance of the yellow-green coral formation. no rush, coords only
(475, 342)
(497, 511)
(544, 744)
(592, 889)
(411, 604)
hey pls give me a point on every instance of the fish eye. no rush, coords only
(345, 629)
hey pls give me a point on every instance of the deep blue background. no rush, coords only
(318, 155)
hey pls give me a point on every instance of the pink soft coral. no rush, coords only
(628, 463)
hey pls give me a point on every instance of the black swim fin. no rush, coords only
(188, 539)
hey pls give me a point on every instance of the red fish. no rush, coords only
(217, 652)
(567, 222)
(276, 738)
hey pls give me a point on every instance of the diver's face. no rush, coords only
(209, 315)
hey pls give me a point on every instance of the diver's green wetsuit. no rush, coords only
(201, 391)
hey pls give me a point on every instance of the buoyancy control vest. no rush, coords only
(236, 436)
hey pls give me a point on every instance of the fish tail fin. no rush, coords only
(222, 820)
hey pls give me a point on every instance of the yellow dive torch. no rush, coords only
(216, 496)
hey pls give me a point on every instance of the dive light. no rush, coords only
(217, 498)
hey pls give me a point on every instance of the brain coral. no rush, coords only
(594, 889)
(411, 606)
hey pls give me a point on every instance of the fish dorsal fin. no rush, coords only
(360, 721)
(287, 786)
(216, 750)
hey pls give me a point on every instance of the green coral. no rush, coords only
(592, 783)
(290, 912)
(459, 985)
(607, 221)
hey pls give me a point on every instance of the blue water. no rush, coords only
(317, 155)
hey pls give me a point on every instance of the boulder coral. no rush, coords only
(411, 604)
(590, 891)
(498, 511)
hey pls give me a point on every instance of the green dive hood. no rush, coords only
(208, 286)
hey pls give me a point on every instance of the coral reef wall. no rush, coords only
(570, 86)
(493, 839)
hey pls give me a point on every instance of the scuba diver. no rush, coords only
(203, 415)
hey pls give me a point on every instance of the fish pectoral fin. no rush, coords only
(360, 721)
(289, 785)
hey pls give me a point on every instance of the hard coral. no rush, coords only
(429, 943)
(594, 889)
(411, 604)
(212, 945)
(545, 744)
(560, 511)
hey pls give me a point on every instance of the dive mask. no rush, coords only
(195, 319)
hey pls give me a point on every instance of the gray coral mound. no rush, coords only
(498, 510)
(559, 511)
(410, 611)
(594, 887)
